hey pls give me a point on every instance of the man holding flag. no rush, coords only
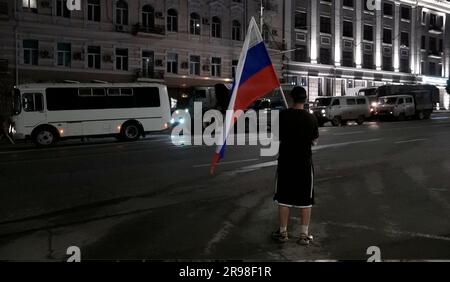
(255, 78)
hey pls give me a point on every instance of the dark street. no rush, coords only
(380, 184)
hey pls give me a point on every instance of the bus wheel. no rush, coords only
(131, 131)
(45, 136)
(402, 117)
(427, 115)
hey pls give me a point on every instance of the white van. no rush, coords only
(340, 110)
(47, 113)
(398, 106)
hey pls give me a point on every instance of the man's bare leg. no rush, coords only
(284, 217)
(305, 215)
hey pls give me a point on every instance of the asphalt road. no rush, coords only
(380, 184)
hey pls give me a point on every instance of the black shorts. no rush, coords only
(295, 184)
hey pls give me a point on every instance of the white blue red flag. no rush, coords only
(255, 77)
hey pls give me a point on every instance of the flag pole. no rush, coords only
(284, 97)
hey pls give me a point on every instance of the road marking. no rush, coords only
(410, 141)
(391, 231)
(348, 133)
(320, 147)
(225, 163)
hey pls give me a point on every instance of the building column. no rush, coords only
(378, 39)
(315, 32)
(418, 32)
(397, 38)
(359, 35)
(413, 50)
(289, 23)
(337, 33)
(446, 62)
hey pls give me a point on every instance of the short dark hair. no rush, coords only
(298, 94)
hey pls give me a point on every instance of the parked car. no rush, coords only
(340, 110)
(400, 107)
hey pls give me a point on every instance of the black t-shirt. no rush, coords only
(298, 130)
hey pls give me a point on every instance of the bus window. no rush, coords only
(62, 99)
(147, 97)
(85, 92)
(113, 91)
(126, 91)
(336, 102)
(98, 92)
(32, 102)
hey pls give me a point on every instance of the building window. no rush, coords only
(172, 63)
(387, 36)
(368, 61)
(368, 32)
(405, 13)
(122, 59)
(301, 53)
(301, 20)
(441, 45)
(216, 28)
(64, 54)
(121, 13)
(148, 65)
(388, 9)
(194, 68)
(148, 16)
(234, 65)
(325, 25)
(347, 58)
(61, 9)
(387, 63)
(94, 10)
(439, 70)
(433, 20)
(172, 20)
(348, 29)
(423, 43)
(424, 18)
(433, 46)
(195, 24)
(432, 68)
(404, 65)
(216, 66)
(348, 3)
(325, 56)
(236, 31)
(30, 52)
(94, 54)
(30, 4)
(404, 39)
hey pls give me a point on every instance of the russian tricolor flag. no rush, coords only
(255, 78)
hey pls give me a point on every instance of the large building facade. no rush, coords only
(329, 47)
(178, 42)
(341, 46)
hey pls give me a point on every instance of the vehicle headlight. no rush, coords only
(11, 130)
(311, 111)
(323, 111)
(186, 111)
(177, 112)
(181, 120)
(172, 121)
(374, 104)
